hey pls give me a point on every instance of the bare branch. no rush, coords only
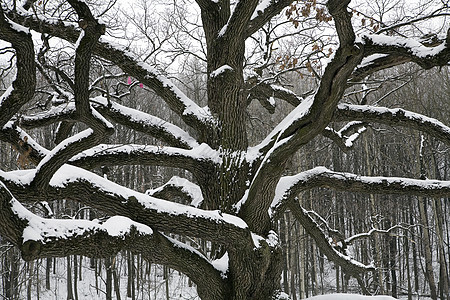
(374, 231)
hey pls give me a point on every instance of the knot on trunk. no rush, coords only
(30, 250)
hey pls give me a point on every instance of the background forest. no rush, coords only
(407, 238)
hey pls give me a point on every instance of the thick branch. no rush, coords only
(37, 238)
(146, 123)
(350, 266)
(132, 118)
(177, 187)
(392, 51)
(61, 154)
(22, 89)
(201, 158)
(265, 14)
(394, 117)
(289, 186)
(239, 19)
(94, 191)
(306, 121)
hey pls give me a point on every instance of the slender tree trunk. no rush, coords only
(427, 249)
(109, 279)
(284, 236)
(48, 268)
(406, 247)
(392, 265)
(30, 279)
(130, 280)
(302, 261)
(116, 280)
(166, 282)
(75, 276)
(376, 238)
(69, 280)
(439, 223)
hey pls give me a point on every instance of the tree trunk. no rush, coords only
(75, 277)
(427, 249)
(30, 280)
(48, 268)
(109, 279)
(69, 280)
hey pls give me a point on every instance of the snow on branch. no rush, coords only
(146, 123)
(289, 186)
(107, 154)
(59, 155)
(193, 115)
(344, 138)
(77, 184)
(408, 45)
(38, 237)
(394, 117)
(179, 187)
(348, 264)
(265, 11)
(30, 152)
(55, 114)
(265, 93)
(374, 231)
(382, 52)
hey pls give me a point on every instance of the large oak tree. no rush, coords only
(243, 188)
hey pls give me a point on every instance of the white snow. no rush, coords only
(148, 120)
(191, 107)
(415, 46)
(369, 59)
(187, 187)
(17, 27)
(394, 111)
(349, 141)
(41, 229)
(260, 8)
(80, 37)
(297, 113)
(6, 94)
(23, 135)
(220, 70)
(52, 112)
(202, 152)
(221, 264)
